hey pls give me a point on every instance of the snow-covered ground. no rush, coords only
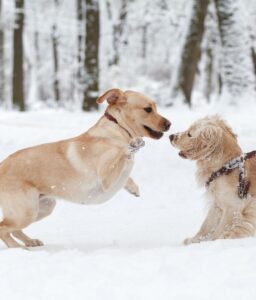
(128, 248)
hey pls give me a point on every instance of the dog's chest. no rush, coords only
(223, 193)
(90, 188)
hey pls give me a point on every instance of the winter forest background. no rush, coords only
(63, 53)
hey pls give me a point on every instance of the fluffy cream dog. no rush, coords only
(229, 176)
(87, 169)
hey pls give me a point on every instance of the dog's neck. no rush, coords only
(214, 162)
(110, 129)
(114, 120)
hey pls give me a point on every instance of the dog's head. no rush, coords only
(136, 113)
(206, 137)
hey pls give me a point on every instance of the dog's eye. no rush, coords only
(148, 109)
(189, 135)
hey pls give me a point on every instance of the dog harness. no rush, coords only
(238, 162)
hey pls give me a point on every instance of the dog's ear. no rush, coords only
(112, 96)
(218, 121)
(212, 133)
(226, 128)
(212, 140)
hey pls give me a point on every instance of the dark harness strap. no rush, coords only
(112, 119)
(238, 162)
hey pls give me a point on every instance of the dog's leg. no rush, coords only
(132, 187)
(208, 227)
(225, 223)
(9, 241)
(110, 170)
(6, 227)
(241, 230)
(19, 234)
(46, 206)
(17, 216)
(243, 223)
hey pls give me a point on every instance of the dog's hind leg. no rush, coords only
(19, 210)
(19, 234)
(5, 235)
(244, 222)
(46, 206)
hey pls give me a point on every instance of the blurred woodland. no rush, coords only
(63, 53)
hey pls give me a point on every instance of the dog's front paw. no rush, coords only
(33, 243)
(135, 191)
(135, 145)
(132, 188)
(189, 241)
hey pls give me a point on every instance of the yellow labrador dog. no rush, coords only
(228, 174)
(87, 169)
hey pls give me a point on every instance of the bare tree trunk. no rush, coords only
(191, 51)
(17, 87)
(236, 63)
(254, 59)
(55, 59)
(40, 89)
(118, 29)
(80, 18)
(209, 72)
(36, 44)
(209, 68)
(2, 64)
(144, 40)
(55, 64)
(80, 51)
(91, 63)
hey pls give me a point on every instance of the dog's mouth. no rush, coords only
(153, 133)
(183, 154)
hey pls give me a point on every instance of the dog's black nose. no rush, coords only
(171, 137)
(167, 125)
